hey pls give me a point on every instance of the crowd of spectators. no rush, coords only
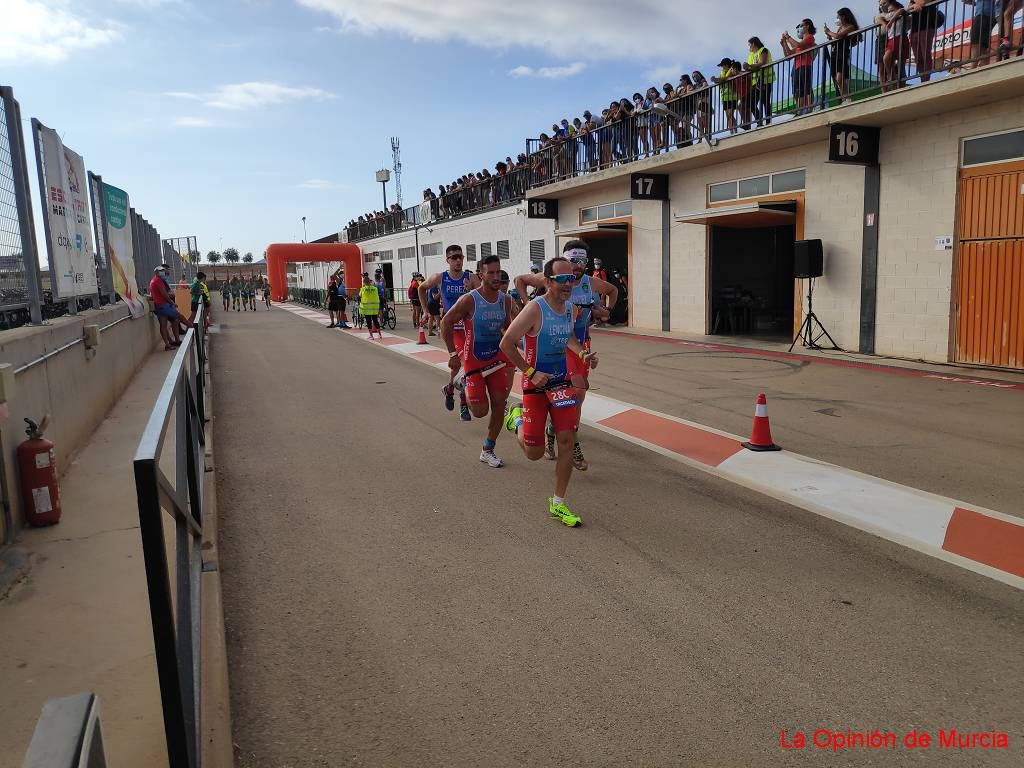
(743, 94)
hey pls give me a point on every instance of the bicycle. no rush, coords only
(389, 318)
(357, 319)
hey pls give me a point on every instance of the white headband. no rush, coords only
(576, 254)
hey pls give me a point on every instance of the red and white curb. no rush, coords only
(981, 540)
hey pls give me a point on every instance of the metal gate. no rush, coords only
(989, 284)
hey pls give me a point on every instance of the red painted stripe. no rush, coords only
(987, 540)
(431, 356)
(889, 369)
(390, 342)
(706, 447)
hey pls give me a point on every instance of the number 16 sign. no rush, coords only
(854, 144)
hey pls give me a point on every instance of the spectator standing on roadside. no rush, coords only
(801, 48)
(333, 302)
(369, 305)
(844, 38)
(759, 63)
(166, 314)
(414, 299)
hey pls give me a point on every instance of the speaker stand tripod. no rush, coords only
(811, 330)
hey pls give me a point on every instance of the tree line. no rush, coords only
(230, 255)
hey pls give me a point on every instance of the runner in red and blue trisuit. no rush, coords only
(453, 283)
(546, 326)
(587, 298)
(486, 376)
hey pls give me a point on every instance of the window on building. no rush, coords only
(430, 249)
(718, 193)
(994, 149)
(407, 253)
(588, 214)
(503, 249)
(625, 208)
(385, 255)
(485, 250)
(471, 252)
(755, 187)
(606, 211)
(789, 181)
(537, 251)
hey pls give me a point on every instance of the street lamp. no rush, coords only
(384, 176)
(304, 229)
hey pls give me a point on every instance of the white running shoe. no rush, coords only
(491, 460)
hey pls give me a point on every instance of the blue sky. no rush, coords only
(232, 120)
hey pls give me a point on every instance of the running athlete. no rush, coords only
(485, 313)
(588, 297)
(225, 294)
(236, 289)
(453, 283)
(547, 325)
(252, 293)
(433, 320)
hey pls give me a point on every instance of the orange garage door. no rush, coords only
(990, 267)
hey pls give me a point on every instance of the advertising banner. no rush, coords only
(62, 181)
(119, 248)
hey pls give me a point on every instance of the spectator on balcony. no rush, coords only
(609, 118)
(897, 45)
(687, 111)
(671, 118)
(839, 55)
(642, 118)
(1011, 41)
(627, 131)
(701, 89)
(982, 24)
(589, 140)
(802, 49)
(923, 21)
(743, 85)
(656, 121)
(727, 92)
(759, 63)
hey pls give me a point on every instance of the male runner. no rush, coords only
(225, 294)
(547, 325)
(236, 288)
(433, 319)
(453, 283)
(252, 293)
(486, 373)
(588, 296)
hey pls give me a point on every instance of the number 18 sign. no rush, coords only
(854, 144)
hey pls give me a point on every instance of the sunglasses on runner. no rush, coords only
(565, 278)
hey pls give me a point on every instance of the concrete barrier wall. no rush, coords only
(76, 387)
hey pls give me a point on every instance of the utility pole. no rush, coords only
(397, 166)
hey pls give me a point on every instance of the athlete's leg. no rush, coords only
(563, 466)
(529, 421)
(476, 392)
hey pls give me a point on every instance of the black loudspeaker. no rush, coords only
(807, 258)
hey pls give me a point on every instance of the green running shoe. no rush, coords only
(561, 512)
(513, 417)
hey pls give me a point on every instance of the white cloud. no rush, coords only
(552, 73)
(316, 184)
(193, 122)
(668, 73)
(643, 30)
(37, 31)
(239, 96)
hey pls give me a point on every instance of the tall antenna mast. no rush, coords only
(397, 166)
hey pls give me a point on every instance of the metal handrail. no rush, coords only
(67, 735)
(176, 623)
(858, 66)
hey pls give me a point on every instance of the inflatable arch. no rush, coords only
(279, 254)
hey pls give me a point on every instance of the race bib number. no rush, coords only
(562, 396)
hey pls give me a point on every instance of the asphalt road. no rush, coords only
(390, 601)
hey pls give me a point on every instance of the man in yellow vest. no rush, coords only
(369, 304)
(759, 61)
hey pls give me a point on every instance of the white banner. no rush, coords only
(119, 248)
(72, 257)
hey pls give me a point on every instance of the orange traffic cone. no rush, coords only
(761, 435)
(423, 337)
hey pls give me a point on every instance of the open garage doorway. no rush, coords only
(609, 245)
(751, 286)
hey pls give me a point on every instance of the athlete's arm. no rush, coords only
(532, 280)
(527, 321)
(606, 290)
(426, 285)
(460, 310)
(577, 349)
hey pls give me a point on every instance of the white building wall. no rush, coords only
(508, 223)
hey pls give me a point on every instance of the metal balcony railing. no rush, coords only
(941, 39)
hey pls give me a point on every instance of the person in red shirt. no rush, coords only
(164, 308)
(801, 49)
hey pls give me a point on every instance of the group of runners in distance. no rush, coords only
(239, 293)
(541, 328)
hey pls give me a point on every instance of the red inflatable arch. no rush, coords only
(279, 254)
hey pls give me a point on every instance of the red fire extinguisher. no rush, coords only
(40, 493)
